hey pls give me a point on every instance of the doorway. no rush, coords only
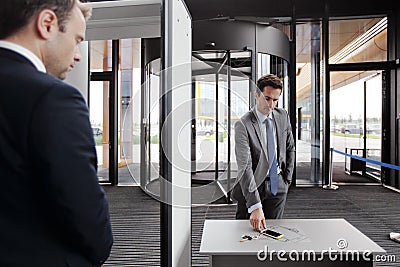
(102, 96)
(356, 125)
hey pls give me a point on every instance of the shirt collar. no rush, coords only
(25, 53)
(261, 116)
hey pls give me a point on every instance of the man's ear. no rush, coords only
(47, 24)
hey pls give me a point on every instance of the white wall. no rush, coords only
(79, 76)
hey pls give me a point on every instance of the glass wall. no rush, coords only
(358, 40)
(100, 56)
(212, 106)
(205, 116)
(350, 41)
(373, 118)
(240, 101)
(272, 64)
(356, 97)
(129, 92)
(99, 114)
(99, 108)
(215, 98)
(152, 113)
(221, 136)
(145, 141)
(308, 103)
(221, 97)
(129, 105)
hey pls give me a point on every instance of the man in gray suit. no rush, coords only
(265, 153)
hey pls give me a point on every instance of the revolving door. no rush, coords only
(223, 81)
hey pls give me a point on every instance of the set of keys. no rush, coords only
(248, 237)
(267, 232)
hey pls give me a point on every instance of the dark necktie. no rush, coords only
(273, 167)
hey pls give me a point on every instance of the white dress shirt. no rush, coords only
(261, 117)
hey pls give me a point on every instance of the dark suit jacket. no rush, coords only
(52, 210)
(252, 156)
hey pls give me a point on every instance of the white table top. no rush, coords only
(222, 237)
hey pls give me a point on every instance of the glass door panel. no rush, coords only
(221, 97)
(129, 107)
(154, 123)
(99, 119)
(210, 76)
(308, 104)
(373, 118)
(240, 103)
(150, 164)
(144, 137)
(221, 138)
(278, 66)
(205, 115)
(347, 120)
(355, 108)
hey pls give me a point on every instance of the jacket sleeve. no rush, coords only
(245, 174)
(290, 151)
(65, 158)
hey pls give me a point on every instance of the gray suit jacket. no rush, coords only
(252, 157)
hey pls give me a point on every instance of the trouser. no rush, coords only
(273, 206)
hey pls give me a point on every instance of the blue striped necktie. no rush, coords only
(273, 167)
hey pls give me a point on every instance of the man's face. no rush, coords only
(62, 51)
(267, 100)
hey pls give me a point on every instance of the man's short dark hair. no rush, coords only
(15, 14)
(269, 80)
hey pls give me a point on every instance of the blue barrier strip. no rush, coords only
(368, 160)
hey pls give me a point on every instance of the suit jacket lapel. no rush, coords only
(257, 130)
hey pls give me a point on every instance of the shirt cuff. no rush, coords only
(254, 207)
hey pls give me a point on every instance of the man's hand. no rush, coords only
(257, 219)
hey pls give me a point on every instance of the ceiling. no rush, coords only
(206, 9)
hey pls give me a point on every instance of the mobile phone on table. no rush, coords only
(272, 234)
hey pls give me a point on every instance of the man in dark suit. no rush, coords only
(265, 152)
(52, 210)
